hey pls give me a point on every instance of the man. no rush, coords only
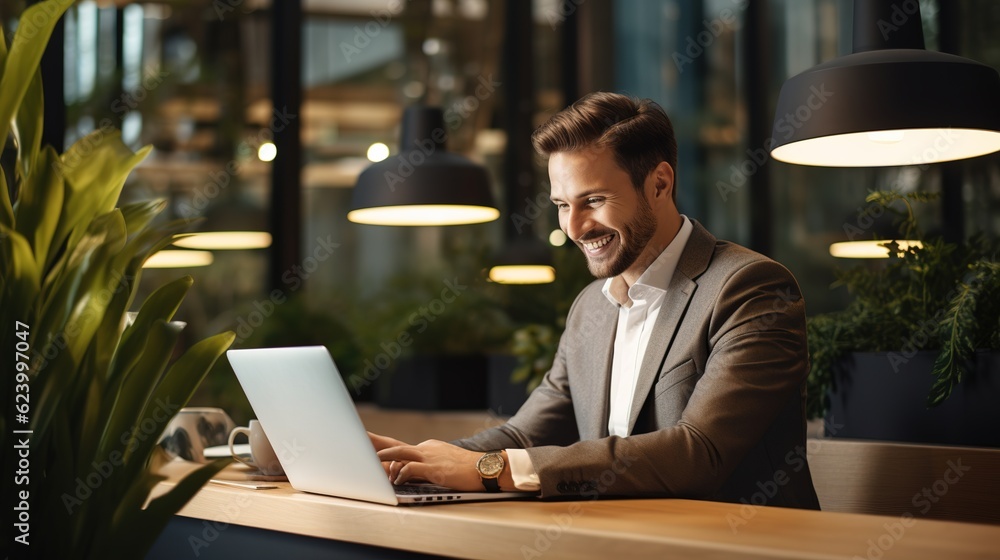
(681, 370)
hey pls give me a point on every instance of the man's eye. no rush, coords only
(561, 205)
(594, 200)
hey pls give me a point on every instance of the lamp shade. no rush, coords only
(525, 260)
(423, 184)
(234, 221)
(890, 102)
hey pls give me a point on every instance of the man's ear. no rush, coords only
(663, 180)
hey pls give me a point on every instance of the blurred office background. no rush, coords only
(195, 79)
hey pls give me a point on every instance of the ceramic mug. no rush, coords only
(262, 455)
(194, 429)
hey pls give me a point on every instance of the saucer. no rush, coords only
(253, 473)
(220, 451)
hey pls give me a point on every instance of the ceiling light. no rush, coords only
(423, 184)
(178, 259)
(890, 102)
(873, 249)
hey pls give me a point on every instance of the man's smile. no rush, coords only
(595, 247)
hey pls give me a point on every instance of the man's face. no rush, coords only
(600, 210)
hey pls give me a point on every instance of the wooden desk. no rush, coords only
(594, 529)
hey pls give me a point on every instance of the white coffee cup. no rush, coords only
(262, 455)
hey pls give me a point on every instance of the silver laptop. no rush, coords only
(304, 408)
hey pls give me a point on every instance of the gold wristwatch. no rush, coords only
(490, 465)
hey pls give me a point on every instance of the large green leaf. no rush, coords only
(159, 306)
(127, 421)
(6, 209)
(20, 273)
(140, 530)
(139, 214)
(95, 169)
(180, 382)
(75, 310)
(28, 124)
(40, 206)
(30, 39)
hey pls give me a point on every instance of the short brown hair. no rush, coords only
(638, 132)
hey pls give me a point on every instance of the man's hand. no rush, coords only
(434, 461)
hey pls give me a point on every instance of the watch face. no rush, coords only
(490, 465)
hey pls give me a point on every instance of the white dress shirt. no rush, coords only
(637, 313)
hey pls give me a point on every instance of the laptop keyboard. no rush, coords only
(421, 489)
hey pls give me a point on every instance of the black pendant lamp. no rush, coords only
(890, 102)
(423, 185)
(524, 258)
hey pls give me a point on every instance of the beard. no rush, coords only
(632, 240)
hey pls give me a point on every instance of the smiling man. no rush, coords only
(681, 370)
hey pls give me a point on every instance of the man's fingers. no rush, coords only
(394, 468)
(411, 472)
(401, 453)
(382, 442)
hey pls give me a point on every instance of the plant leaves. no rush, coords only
(181, 380)
(138, 530)
(29, 126)
(40, 205)
(127, 422)
(25, 54)
(95, 169)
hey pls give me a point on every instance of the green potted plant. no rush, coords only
(426, 337)
(91, 390)
(913, 357)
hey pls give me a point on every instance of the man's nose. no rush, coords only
(576, 223)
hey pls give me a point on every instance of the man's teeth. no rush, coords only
(598, 244)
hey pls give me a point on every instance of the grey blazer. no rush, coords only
(722, 411)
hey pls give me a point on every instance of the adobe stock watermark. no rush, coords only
(151, 426)
(591, 489)
(95, 306)
(785, 125)
(420, 319)
(557, 14)
(219, 180)
(293, 278)
(552, 532)
(412, 157)
(365, 34)
(130, 100)
(696, 45)
(927, 328)
(231, 511)
(923, 501)
(901, 14)
(533, 209)
(223, 8)
(783, 300)
(795, 460)
(30, 24)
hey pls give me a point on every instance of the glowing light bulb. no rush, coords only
(378, 152)
(267, 151)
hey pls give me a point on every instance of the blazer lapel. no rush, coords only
(594, 425)
(694, 260)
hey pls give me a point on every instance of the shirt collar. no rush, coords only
(655, 279)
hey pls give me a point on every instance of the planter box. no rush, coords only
(435, 383)
(505, 396)
(873, 400)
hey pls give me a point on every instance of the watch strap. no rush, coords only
(490, 484)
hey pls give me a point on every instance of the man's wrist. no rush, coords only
(506, 480)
